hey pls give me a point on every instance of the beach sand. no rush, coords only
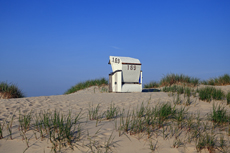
(80, 101)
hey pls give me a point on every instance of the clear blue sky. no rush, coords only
(47, 46)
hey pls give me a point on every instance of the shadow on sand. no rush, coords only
(150, 90)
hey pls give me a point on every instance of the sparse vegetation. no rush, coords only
(219, 114)
(181, 79)
(10, 91)
(1, 129)
(103, 89)
(95, 145)
(152, 84)
(94, 112)
(208, 141)
(206, 94)
(228, 98)
(111, 112)
(174, 88)
(172, 78)
(221, 80)
(190, 127)
(61, 130)
(209, 93)
(164, 120)
(86, 84)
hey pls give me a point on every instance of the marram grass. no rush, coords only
(209, 93)
(171, 79)
(219, 114)
(228, 97)
(177, 123)
(152, 84)
(86, 84)
(145, 121)
(9, 91)
(221, 80)
(174, 88)
(182, 79)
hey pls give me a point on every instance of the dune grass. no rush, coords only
(174, 88)
(209, 93)
(61, 130)
(181, 79)
(1, 129)
(145, 121)
(145, 118)
(187, 91)
(111, 112)
(86, 84)
(228, 98)
(206, 94)
(221, 80)
(10, 91)
(169, 122)
(206, 140)
(94, 112)
(171, 79)
(219, 114)
(152, 84)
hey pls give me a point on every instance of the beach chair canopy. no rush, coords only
(130, 67)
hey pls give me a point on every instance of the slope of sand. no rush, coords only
(80, 101)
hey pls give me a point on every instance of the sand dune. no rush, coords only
(80, 101)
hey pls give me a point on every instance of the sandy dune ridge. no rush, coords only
(80, 101)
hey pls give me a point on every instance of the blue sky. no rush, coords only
(47, 46)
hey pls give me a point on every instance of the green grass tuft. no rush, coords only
(10, 91)
(174, 88)
(172, 78)
(111, 112)
(152, 84)
(221, 80)
(206, 141)
(86, 84)
(219, 114)
(209, 93)
(182, 79)
(228, 97)
(94, 112)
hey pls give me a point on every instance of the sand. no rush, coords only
(80, 101)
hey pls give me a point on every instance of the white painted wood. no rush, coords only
(131, 73)
(131, 88)
(127, 74)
